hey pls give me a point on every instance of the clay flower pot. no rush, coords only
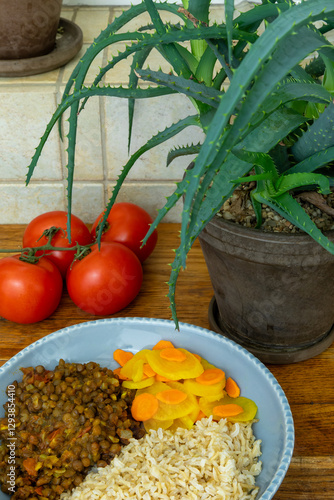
(274, 292)
(28, 28)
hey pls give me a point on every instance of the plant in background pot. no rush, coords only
(270, 130)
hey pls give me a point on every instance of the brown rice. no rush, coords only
(213, 460)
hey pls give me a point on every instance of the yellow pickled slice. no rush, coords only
(170, 412)
(205, 390)
(135, 366)
(190, 367)
(157, 424)
(187, 421)
(141, 384)
(249, 407)
(188, 407)
(155, 388)
(180, 422)
(206, 365)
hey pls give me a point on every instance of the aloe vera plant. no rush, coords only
(273, 125)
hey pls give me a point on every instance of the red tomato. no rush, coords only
(79, 234)
(29, 292)
(106, 280)
(128, 224)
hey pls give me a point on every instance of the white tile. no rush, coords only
(92, 22)
(151, 116)
(23, 120)
(20, 204)
(88, 201)
(88, 153)
(150, 196)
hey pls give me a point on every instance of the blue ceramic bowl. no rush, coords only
(97, 340)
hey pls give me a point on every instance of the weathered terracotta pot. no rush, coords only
(28, 28)
(273, 293)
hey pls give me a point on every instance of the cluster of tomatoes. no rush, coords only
(100, 280)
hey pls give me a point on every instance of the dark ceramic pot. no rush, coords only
(273, 293)
(28, 28)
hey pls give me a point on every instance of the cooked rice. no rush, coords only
(213, 460)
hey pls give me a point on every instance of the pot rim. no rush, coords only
(259, 234)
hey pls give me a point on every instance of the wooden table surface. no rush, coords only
(308, 385)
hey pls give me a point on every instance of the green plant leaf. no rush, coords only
(281, 41)
(200, 9)
(159, 138)
(170, 51)
(139, 59)
(289, 182)
(290, 209)
(200, 92)
(205, 68)
(229, 11)
(318, 137)
(190, 149)
(314, 161)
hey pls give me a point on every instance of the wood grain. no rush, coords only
(309, 385)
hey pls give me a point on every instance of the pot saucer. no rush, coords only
(68, 44)
(270, 354)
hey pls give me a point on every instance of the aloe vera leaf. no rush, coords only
(220, 190)
(229, 11)
(171, 52)
(257, 207)
(258, 13)
(275, 37)
(139, 59)
(118, 23)
(205, 68)
(154, 141)
(318, 137)
(189, 57)
(316, 67)
(207, 95)
(293, 181)
(200, 9)
(262, 160)
(72, 99)
(290, 209)
(270, 131)
(220, 53)
(190, 149)
(292, 91)
(301, 75)
(313, 162)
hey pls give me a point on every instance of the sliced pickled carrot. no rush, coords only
(232, 388)
(163, 344)
(210, 376)
(172, 396)
(229, 410)
(122, 356)
(144, 406)
(173, 354)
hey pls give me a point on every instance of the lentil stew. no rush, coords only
(67, 420)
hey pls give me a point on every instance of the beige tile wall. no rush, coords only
(26, 105)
